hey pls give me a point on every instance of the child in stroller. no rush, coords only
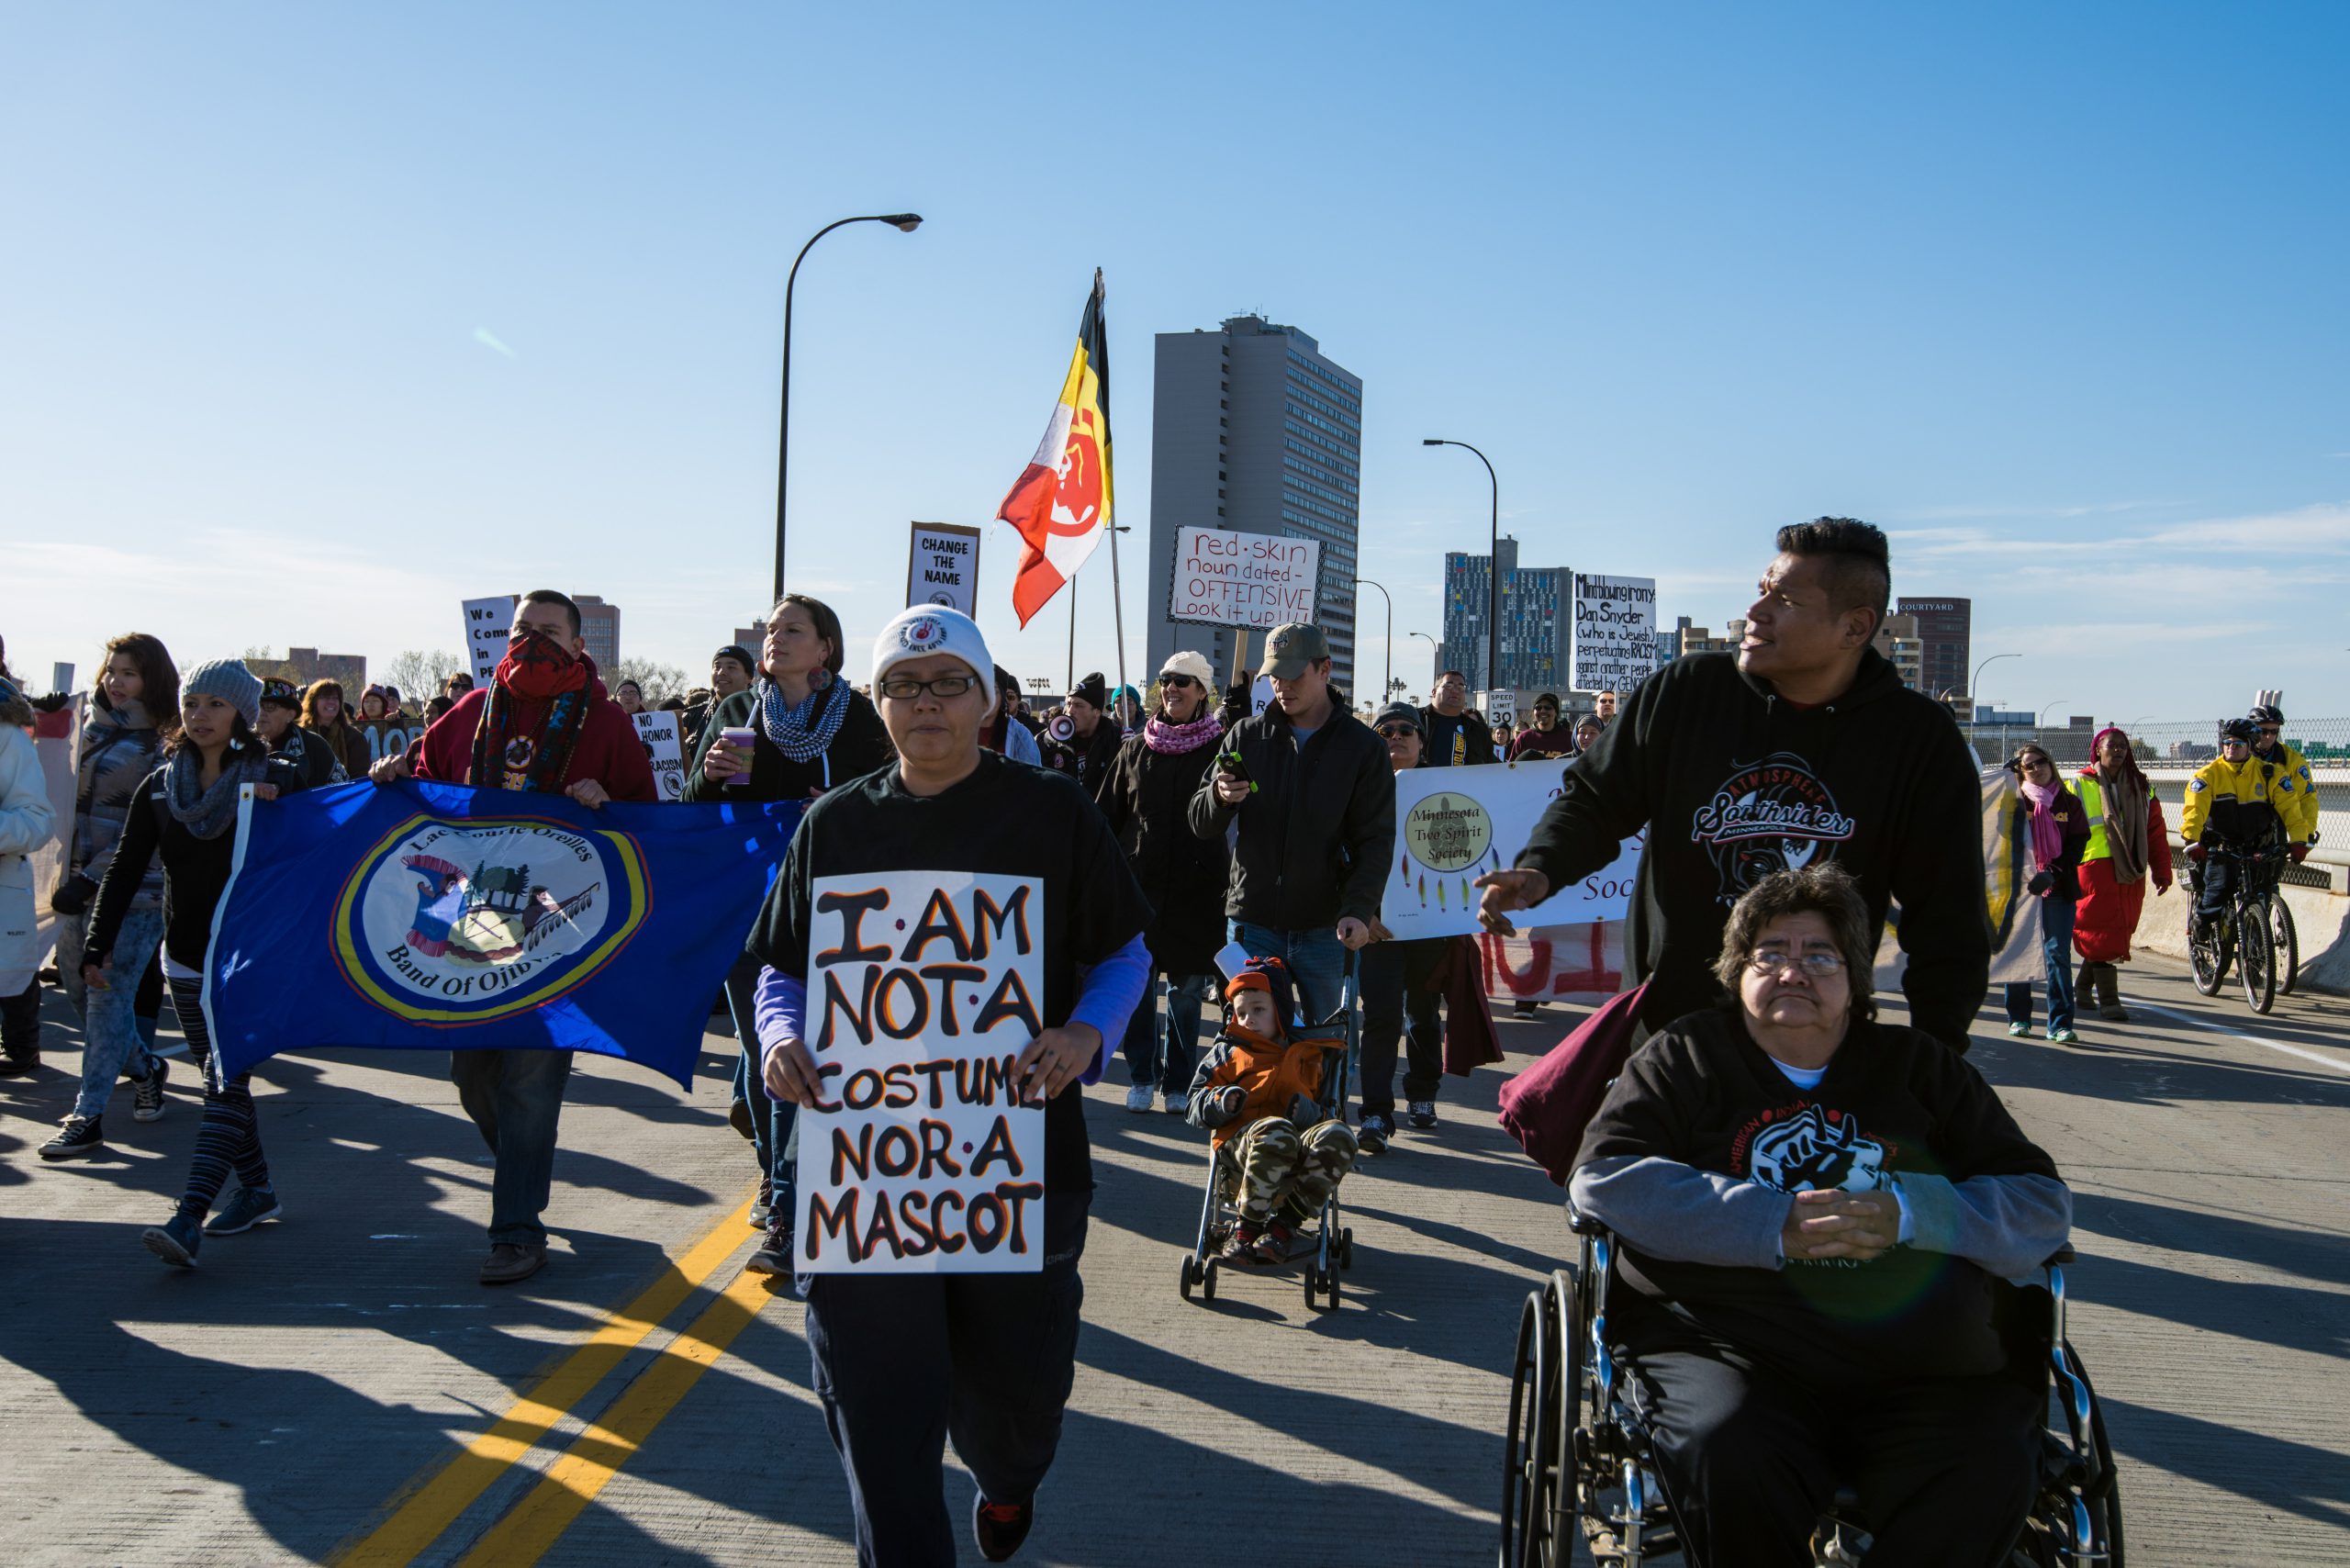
(1280, 1143)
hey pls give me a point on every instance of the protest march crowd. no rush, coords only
(1813, 1201)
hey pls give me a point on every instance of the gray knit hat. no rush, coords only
(230, 681)
(1400, 714)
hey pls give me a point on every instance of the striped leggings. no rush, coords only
(229, 1137)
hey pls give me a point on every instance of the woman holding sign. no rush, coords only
(915, 939)
(799, 730)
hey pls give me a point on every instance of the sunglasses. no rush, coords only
(1180, 682)
(1395, 732)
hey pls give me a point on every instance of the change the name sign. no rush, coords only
(488, 622)
(658, 731)
(942, 566)
(923, 988)
(1614, 633)
(1242, 579)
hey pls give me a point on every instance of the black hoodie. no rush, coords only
(1733, 782)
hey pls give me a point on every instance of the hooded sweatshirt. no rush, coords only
(608, 751)
(1732, 782)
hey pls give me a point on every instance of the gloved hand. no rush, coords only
(2299, 852)
(52, 703)
(2039, 884)
(2195, 853)
(72, 895)
(1303, 1112)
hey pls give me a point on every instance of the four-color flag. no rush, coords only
(1060, 503)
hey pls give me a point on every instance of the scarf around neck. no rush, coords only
(532, 758)
(2047, 835)
(2125, 820)
(805, 730)
(209, 813)
(1173, 740)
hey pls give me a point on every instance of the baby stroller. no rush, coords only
(1325, 1245)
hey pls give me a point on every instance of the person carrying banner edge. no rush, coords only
(1803, 745)
(900, 1361)
(542, 725)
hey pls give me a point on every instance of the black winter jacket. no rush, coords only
(1732, 784)
(1316, 836)
(1147, 795)
(861, 746)
(196, 870)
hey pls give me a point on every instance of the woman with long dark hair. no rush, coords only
(133, 712)
(2128, 845)
(807, 731)
(2057, 830)
(325, 712)
(185, 819)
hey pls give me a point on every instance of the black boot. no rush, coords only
(2109, 995)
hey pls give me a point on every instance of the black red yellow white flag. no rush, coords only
(1061, 502)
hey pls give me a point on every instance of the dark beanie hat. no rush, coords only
(1400, 714)
(1270, 976)
(1093, 688)
(734, 651)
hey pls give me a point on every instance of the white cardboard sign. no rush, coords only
(489, 623)
(942, 566)
(658, 731)
(1223, 579)
(923, 988)
(1455, 825)
(1614, 633)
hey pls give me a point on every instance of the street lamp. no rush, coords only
(1974, 686)
(905, 223)
(1435, 652)
(1494, 570)
(2041, 720)
(1390, 643)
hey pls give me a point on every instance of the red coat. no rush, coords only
(609, 751)
(2106, 916)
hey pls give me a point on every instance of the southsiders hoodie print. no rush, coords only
(1734, 782)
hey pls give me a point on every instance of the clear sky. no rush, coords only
(317, 320)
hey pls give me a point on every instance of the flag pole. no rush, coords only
(1117, 606)
(1071, 684)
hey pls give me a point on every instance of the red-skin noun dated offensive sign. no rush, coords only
(923, 988)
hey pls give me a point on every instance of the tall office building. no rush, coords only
(1946, 632)
(1535, 619)
(1253, 431)
(600, 625)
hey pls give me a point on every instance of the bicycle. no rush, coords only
(2245, 934)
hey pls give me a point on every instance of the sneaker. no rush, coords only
(1138, 1098)
(774, 1256)
(79, 1139)
(2019, 1030)
(245, 1209)
(1420, 1114)
(763, 1206)
(2062, 1038)
(999, 1527)
(1178, 1104)
(174, 1243)
(15, 1066)
(1372, 1136)
(1525, 1010)
(1241, 1247)
(1272, 1248)
(147, 1093)
(510, 1262)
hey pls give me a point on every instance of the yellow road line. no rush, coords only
(433, 1507)
(523, 1536)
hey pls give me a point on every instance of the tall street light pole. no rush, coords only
(905, 223)
(1494, 571)
(1436, 656)
(1974, 686)
(1388, 690)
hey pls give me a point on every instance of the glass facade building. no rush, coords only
(1537, 621)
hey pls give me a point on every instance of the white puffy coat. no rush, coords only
(27, 822)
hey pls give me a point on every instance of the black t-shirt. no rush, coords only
(1005, 819)
(1703, 1093)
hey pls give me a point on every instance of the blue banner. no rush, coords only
(437, 917)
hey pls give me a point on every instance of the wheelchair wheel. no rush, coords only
(2286, 940)
(2207, 946)
(1527, 1366)
(1564, 1414)
(2256, 960)
(2077, 1520)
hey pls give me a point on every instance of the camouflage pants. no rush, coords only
(1270, 1165)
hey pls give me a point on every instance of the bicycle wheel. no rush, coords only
(2256, 960)
(2287, 942)
(2207, 945)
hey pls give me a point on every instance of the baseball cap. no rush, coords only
(921, 629)
(282, 692)
(1293, 647)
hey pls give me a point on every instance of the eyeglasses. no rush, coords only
(1395, 732)
(2270, 730)
(1178, 682)
(904, 689)
(1775, 960)
(2028, 763)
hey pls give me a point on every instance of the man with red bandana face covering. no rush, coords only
(542, 725)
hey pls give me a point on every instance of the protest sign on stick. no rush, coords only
(1223, 578)
(942, 566)
(658, 731)
(923, 988)
(488, 622)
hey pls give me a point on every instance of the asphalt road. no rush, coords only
(337, 1388)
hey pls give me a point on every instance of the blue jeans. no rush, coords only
(1317, 962)
(1163, 1056)
(112, 1043)
(772, 1120)
(2057, 949)
(516, 1099)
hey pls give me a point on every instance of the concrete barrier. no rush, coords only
(2319, 918)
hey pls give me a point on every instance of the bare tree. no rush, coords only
(419, 673)
(655, 681)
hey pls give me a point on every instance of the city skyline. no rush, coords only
(437, 323)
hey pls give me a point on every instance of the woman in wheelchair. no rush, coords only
(1814, 1208)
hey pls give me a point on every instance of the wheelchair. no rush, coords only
(1578, 1458)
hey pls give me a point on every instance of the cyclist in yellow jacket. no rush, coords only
(2299, 806)
(2238, 801)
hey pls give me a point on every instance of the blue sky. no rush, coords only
(315, 320)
